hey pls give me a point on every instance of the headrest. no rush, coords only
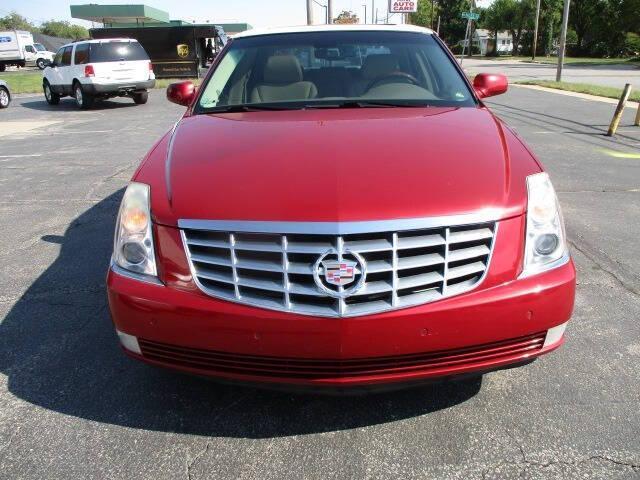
(379, 64)
(282, 69)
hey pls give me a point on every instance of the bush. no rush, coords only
(457, 50)
(631, 46)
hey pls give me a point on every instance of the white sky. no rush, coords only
(259, 13)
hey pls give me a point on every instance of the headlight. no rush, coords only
(133, 245)
(545, 245)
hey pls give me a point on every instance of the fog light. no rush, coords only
(547, 243)
(129, 342)
(134, 252)
(554, 335)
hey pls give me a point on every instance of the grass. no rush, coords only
(27, 82)
(31, 82)
(586, 61)
(609, 92)
(577, 61)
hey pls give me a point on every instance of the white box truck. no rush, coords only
(18, 48)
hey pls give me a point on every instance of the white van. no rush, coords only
(17, 48)
(86, 70)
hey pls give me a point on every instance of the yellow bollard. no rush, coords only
(619, 109)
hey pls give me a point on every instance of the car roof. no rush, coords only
(334, 28)
(100, 40)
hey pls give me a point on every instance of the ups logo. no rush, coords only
(183, 50)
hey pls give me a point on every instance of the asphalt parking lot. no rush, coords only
(73, 406)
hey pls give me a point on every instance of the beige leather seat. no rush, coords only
(283, 81)
(375, 66)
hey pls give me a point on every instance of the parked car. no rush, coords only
(17, 48)
(5, 94)
(92, 69)
(339, 226)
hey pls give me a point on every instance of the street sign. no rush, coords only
(399, 6)
(470, 15)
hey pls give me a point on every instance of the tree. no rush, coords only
(452, 25)
(346, 18)
(515, 16)
(14, 21)
(582, 16)
(497, 18)
(64, 29)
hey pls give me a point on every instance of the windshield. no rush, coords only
(324, 69)
(39, 47)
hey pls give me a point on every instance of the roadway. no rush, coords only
(73, 406)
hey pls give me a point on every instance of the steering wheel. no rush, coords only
(396, 74)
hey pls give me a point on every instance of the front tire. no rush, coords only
(52, 98)
(140, 98)
(5, 99)
(41, 64)
(83, 100)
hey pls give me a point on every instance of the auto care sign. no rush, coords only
(398, 6)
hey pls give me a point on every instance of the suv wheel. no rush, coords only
(83, 100)
(41, 64)
(52, 98)
(140, 97)
(4, 98)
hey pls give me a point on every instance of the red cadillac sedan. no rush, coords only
(337, 208)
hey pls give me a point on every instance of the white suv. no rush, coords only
(91, 69)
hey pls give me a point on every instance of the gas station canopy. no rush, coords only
(114, 15)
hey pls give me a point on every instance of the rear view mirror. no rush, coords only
(490, 84)
(181, 93)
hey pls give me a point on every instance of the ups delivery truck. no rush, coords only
(175, 51)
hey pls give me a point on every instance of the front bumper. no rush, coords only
(485, 329)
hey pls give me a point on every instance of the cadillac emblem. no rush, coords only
(339, 272)
(339, 275)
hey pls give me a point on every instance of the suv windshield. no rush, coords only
(334, 69)
(117, 52)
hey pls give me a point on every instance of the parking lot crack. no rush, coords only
(625, 279)
(191, 463)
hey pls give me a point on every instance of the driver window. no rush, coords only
(66, 57)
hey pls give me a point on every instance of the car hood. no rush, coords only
(338, 165)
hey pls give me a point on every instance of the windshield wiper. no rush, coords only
(367, 104)
(248, 108)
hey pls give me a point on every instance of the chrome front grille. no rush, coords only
(271, 264)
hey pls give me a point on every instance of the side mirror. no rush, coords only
(52, 64)
(490, 84)
(181, 93)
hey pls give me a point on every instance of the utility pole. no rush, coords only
(535, 32)
(330, 11)
(376, 16)
(471, 29)
(563, 39)
(431, 23)
(373, 9)
(309, 12)
(365, 12)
